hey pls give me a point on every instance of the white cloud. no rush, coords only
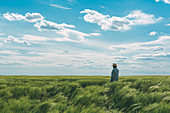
(121, 51)
(105, 21)
(2, 34)
(151, 56)
(44, 25)
(47, 25)
(33, 17)
(101, 6)
(26, 39)
(153, 33)
(59, 6)
(139, 18)
(161, 55)
(166, 1)
(119, 58)
(162, 40)
(167, 24)
(63, 29)
(155, 51)
(29, 17)
(55, 58)
(135, 66)
(156, 48)
(114, 23)
(94, 34)
(73, 35)
(10, 62)
(20, 59)
(13, 16)
(11, 39)
(35, 39)
(10, 52)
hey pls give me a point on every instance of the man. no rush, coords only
(115, 73)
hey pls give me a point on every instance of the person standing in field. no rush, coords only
(115, 73)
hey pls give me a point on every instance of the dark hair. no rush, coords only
(114, 66)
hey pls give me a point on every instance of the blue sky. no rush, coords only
(72, 37)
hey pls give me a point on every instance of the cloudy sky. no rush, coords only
(72, 37)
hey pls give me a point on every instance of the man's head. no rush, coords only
(114, 65)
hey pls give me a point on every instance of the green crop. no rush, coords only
(84, 94)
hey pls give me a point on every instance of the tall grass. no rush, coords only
(84, 94)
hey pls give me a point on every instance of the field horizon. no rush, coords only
(58, 75)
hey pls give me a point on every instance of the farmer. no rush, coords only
(115, 73)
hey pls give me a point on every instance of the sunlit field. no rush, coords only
(84, 94)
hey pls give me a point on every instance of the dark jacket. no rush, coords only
(114, 75)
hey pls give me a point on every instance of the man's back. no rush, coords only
(114, 75)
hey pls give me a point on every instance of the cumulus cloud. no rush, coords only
(33, 17)
(13, 16)
(12, 39)
(138, 17)
(63, 29)
(47, 25)
(105, 21)
(166, 1)
(153, 33)
(114, 23)
(29, 17)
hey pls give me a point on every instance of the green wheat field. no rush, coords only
(84, 94)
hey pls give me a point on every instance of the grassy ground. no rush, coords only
(84, 94)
